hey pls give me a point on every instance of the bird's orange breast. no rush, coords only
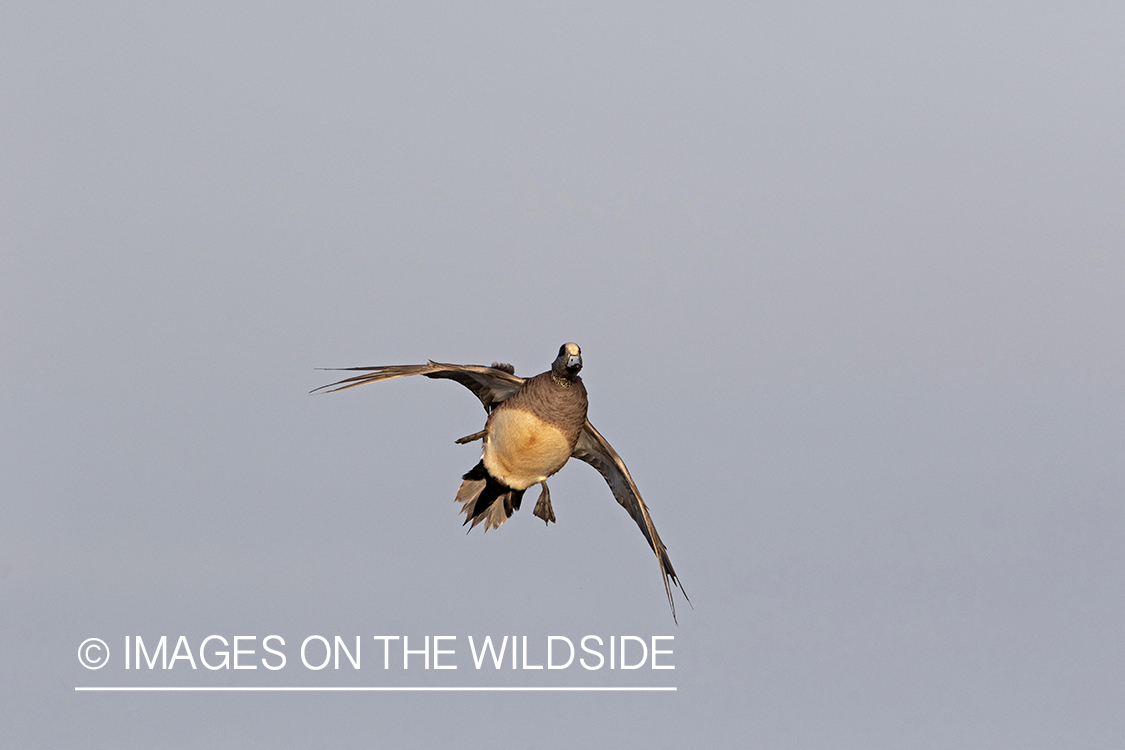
(520, 449)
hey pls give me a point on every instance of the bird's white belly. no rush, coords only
(521, 450)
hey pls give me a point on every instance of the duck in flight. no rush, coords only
(535, 425)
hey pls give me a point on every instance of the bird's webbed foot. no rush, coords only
(543, 506)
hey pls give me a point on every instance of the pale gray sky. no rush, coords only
(849, 288)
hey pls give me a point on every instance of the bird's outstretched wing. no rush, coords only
(594, 450)
(492, 385)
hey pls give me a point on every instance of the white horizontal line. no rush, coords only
(380, 689)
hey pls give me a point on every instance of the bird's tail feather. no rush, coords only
(483, 498)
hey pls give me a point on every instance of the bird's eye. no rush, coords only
(562, 350)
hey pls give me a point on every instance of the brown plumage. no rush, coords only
(534, 427)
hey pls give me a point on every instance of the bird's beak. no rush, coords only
(574, 362)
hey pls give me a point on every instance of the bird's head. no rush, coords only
(568, 363)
